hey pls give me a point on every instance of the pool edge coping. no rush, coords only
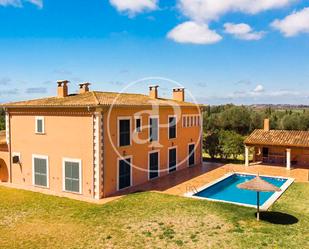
(271, 200)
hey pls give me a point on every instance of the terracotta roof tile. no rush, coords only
(278, 138)
(96, 98)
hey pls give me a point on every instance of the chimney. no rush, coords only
(266, 124)
(84, 87)
(153, 91)
(179, 94)
(62, 88)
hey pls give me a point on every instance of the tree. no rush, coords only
(231, 144)
(236, 118)
(211, 144)
(256, 120)
(291, 122)
(2, 119)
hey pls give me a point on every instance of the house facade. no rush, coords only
(97, 144)
(278, 147)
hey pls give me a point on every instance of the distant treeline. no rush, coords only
(226, 126)
(2, 119)
(243, 119)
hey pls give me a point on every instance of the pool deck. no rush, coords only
(186, 180)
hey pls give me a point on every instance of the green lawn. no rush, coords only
(149, 220)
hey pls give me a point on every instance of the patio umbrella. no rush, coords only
(259, 185)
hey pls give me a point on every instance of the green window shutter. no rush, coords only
(153, 129)
(72, 177)
(39, 125)
(40, 172)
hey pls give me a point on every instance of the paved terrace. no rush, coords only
(184, 180)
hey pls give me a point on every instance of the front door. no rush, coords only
(124, 179)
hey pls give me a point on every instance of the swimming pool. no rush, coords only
(225, 190)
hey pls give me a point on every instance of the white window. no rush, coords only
(39, 125)
(138, 124)
(153, 129)
(183, 121)
(40, 171)
(72, 180)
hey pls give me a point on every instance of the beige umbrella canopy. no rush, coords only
(259, 185)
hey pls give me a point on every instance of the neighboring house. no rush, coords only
(94, 144)
(279, 147)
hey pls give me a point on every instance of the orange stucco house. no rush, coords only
(96, 144)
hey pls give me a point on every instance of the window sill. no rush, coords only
(72, 192)
(40, 133)
(43, 187)
(124, 146)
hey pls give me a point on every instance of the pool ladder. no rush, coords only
(192, 189)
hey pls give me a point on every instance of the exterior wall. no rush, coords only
(68, 134)
(139, 152)
(299, 156)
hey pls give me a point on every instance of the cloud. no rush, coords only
(19, 3)
(207, 10)
(133, 7)
(201, 84)
(14, 3)
(38, 3)
(260, 92)
(36, 90)
(210, 10)
(5, 81)
(293, 24)
(258, 89)
(9, 92)
(195, 33)
(284, 92)
(243, 82)
(242, 31)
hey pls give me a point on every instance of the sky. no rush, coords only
(221, 51)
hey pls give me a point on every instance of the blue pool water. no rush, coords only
(226, 190)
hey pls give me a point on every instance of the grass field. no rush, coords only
(150, 220)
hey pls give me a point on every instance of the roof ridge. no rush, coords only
(261, 129)
(95, 98)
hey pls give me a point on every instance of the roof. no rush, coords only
(278, 138)
(96, 98)
(2, 137)
(259, 185)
